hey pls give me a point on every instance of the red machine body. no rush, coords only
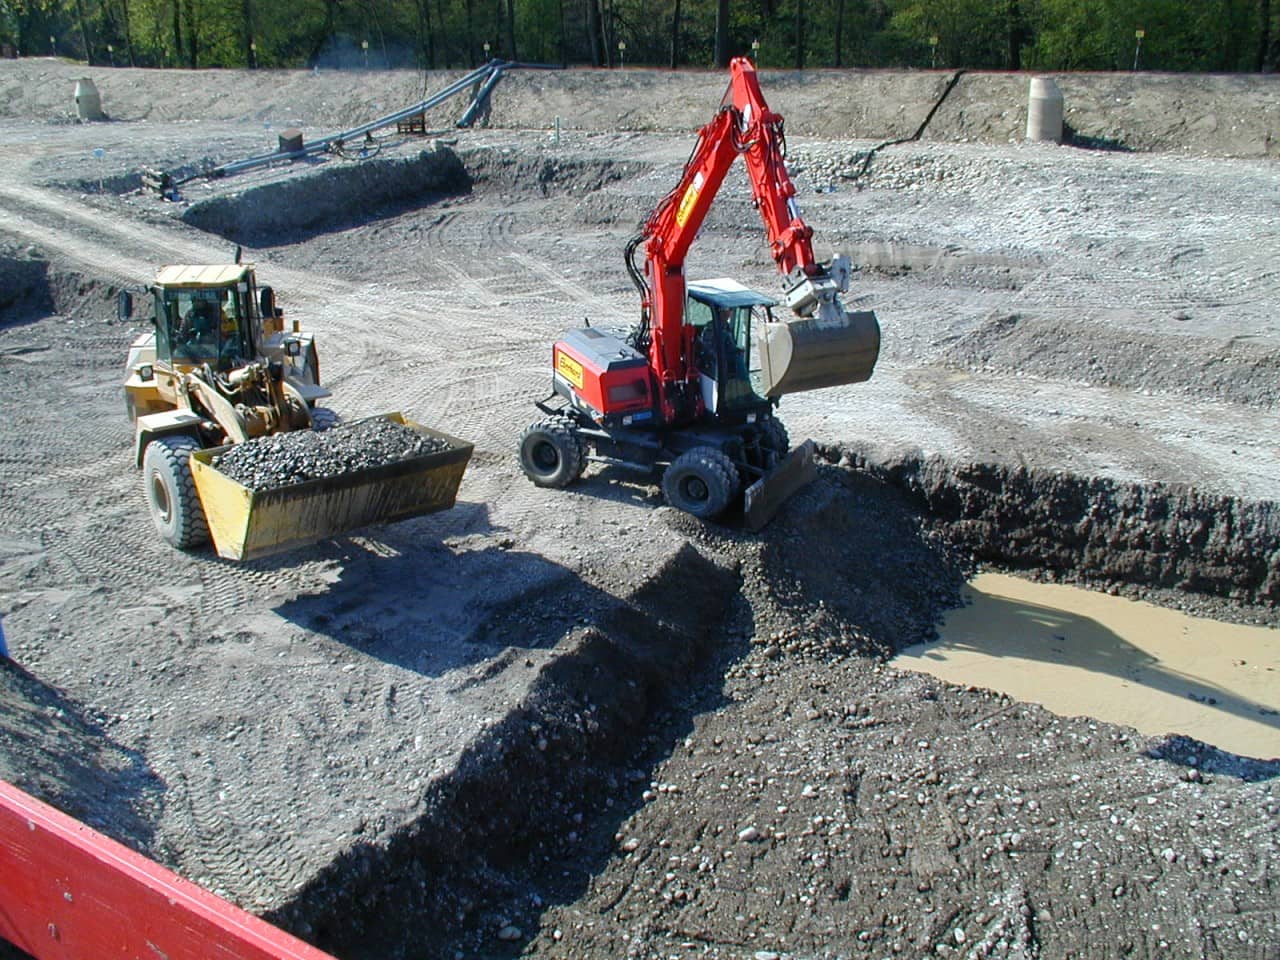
(609, 377)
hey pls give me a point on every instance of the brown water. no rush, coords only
(1083, 653)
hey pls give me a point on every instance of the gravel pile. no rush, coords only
(830, 168)
(288, 458)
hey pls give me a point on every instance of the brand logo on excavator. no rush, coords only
(570, 369)
(689, 199)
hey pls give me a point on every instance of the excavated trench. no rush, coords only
(863, 563)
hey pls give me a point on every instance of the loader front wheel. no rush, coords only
(171, 492)
(702, 482)
(551, 454)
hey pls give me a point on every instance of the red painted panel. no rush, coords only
(69, 893)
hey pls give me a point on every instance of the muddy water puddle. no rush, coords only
(1080, 653)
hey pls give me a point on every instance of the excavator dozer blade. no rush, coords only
(245, 524)
(806, 354)
(766, 495)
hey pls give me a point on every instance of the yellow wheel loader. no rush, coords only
(218, 369)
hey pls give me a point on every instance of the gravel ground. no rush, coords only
(576, 723)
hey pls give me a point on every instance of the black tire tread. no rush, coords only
(559, 431)
(191, 530)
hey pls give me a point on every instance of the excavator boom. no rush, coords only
(825, 345)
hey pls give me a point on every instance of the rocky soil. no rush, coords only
(578, 724)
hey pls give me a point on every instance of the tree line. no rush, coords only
(1044, 35)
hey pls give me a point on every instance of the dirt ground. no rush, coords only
(578, 724)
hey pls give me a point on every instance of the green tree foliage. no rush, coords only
(1177, 35)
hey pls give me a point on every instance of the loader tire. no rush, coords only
(702, 481)
(551, 454)
(171, 493)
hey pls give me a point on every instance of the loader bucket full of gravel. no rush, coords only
(274, 493)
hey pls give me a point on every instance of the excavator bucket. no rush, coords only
(248, 523)
(763, 498)
(807, 354)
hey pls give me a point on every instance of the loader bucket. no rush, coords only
(245, 524)
(763, 498)
(806, 354)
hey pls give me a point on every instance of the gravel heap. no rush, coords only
(288, 458)
(826, 168)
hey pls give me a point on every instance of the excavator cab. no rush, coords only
(728, 320)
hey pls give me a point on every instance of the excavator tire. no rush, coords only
(551, 454)
(701, 481)
(171, 493)
(775, 441)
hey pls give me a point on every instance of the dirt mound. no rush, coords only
(1217, 115)
(1234, 371)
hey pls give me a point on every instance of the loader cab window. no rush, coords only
(203, 326)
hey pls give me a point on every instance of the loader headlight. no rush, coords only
(146, 372)
(293, 348)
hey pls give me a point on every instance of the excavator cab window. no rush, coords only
(203, 325)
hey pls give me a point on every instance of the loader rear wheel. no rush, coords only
(551, 454)
(171, 493)
(701, 481)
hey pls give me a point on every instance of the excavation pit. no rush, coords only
(347, 739)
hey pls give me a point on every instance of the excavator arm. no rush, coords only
(826, 345)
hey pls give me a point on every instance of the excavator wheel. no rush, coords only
(551, 454)
(701, 481)
(171, 493)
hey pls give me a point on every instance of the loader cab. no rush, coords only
(204, 319)
(727, 321)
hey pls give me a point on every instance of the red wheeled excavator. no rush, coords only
(691, 393)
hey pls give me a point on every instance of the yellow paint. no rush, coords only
(1078, 652)
(569, 368)
(245, 524)
(689, 199)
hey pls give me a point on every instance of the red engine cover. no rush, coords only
(600, 372)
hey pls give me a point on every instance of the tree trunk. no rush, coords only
(1264, 34)
(593, 29)
(193, 39)
(426, 45)
(177, 32)
(1017, 35)
(799, 34)
(511, 30)
(246, 14)
(675, 36)
(84, 32)
(722, 34)
(564, 37)
(471, 34)
(127, 32)
(839, 37)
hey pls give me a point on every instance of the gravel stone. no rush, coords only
(289, 458)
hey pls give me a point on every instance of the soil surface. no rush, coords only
(577, 723)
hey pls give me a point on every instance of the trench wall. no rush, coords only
(1091, 528)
